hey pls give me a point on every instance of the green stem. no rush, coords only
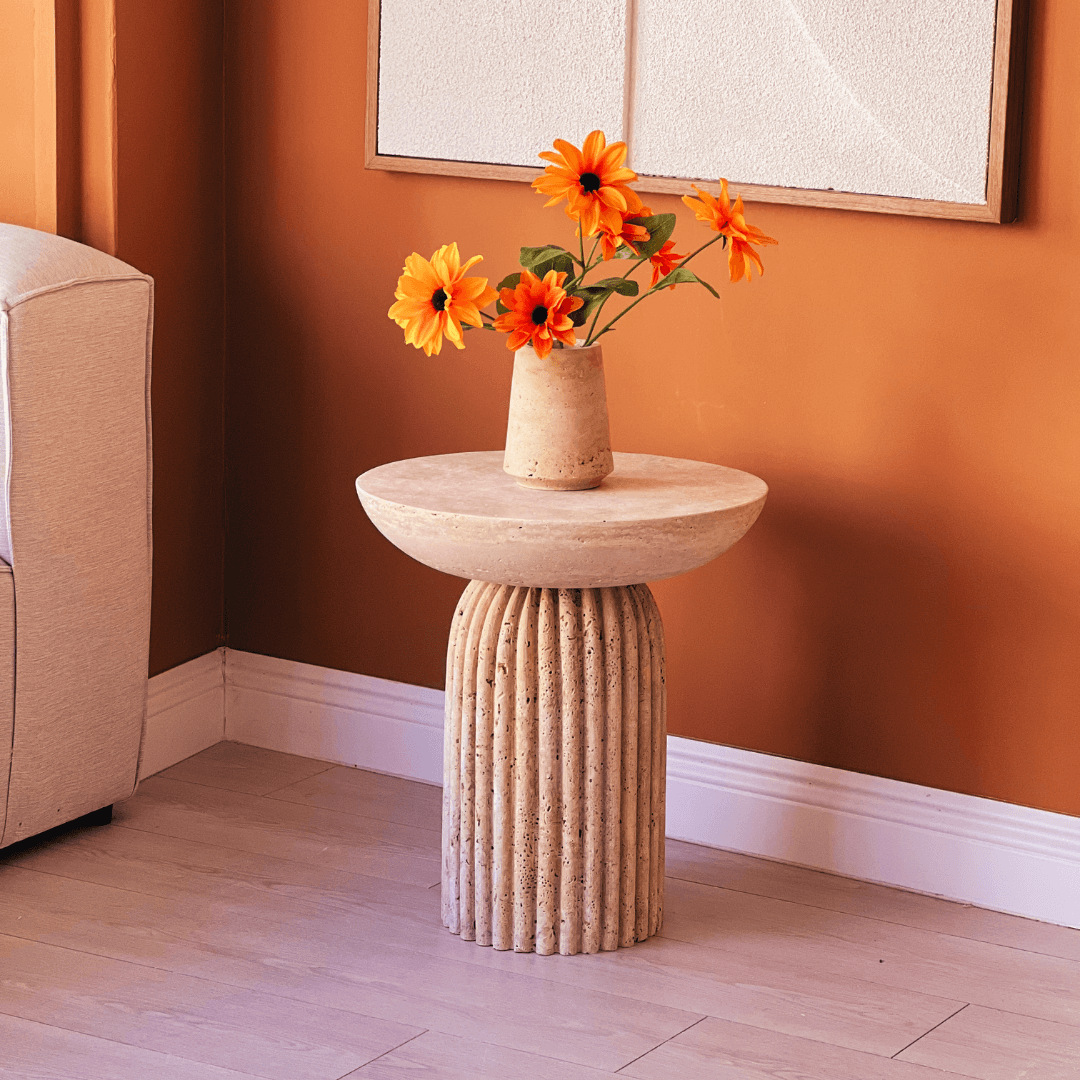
(586, 266)
(658, 288)
(592, 256)
(572, 283)
(628, 307)
(600, 307)
(708, 243)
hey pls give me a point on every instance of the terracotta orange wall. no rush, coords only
(170, 224)
(18, 201)
(909, 602)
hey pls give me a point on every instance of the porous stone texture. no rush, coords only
(554, 768)
(557, 433)
(652, 518)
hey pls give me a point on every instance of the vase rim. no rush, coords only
(578, 348)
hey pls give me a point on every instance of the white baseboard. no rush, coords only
(185, 712)
(318, 712)
(978, 851)
(993, 854)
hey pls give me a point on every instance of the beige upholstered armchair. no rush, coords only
(75, 332)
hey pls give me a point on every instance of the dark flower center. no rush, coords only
(438, 300)
(539, 315)
(589, 181)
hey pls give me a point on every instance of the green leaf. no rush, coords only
(660, 227)
(530, 256)
(596, 293)
(511, 281)
(592, 296)
(539, 260)
(623, 286)
(681, 275)
(563, 264)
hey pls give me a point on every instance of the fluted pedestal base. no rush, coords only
(554, 768)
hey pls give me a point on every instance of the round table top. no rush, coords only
(652, 518)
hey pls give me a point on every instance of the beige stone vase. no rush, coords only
(557, 430)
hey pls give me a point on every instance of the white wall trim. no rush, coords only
(185, 712)
(978, 851)
(334, 715)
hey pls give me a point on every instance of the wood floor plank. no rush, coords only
(770, 994)
(250, 769)
(842, 1011)
(396, 786)
(721, 1050)
(744, 873)
(298, 952)
(302, 833)
(193, 1018)
(354, 791)
(993, 1045)
(32, 1051)
(889, 954)
(435, 1056)
(173, 867)
(311, 898)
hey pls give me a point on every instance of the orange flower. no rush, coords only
(611, 239)
(539, 311)
(435, 298)
(592, 180)
(663, 262)
(740, 256)
(730, 221)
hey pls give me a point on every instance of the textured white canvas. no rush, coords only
(884, 97)
(469, 80)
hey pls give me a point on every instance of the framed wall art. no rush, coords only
(894, 106)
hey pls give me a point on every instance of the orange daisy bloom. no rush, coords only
(434, 298)
(730, 221)
(592, 180)
(611, 239)
(663, 262)
(740, 256)
(539, 312)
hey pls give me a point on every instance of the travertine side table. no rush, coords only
(555, 753)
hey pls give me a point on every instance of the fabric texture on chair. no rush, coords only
(7, 680)
(33, 262)
(75, 328)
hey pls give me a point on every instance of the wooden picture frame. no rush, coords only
(1003, 165)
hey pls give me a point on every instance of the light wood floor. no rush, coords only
(254, 914)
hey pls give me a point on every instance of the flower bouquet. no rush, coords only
(558, 300)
